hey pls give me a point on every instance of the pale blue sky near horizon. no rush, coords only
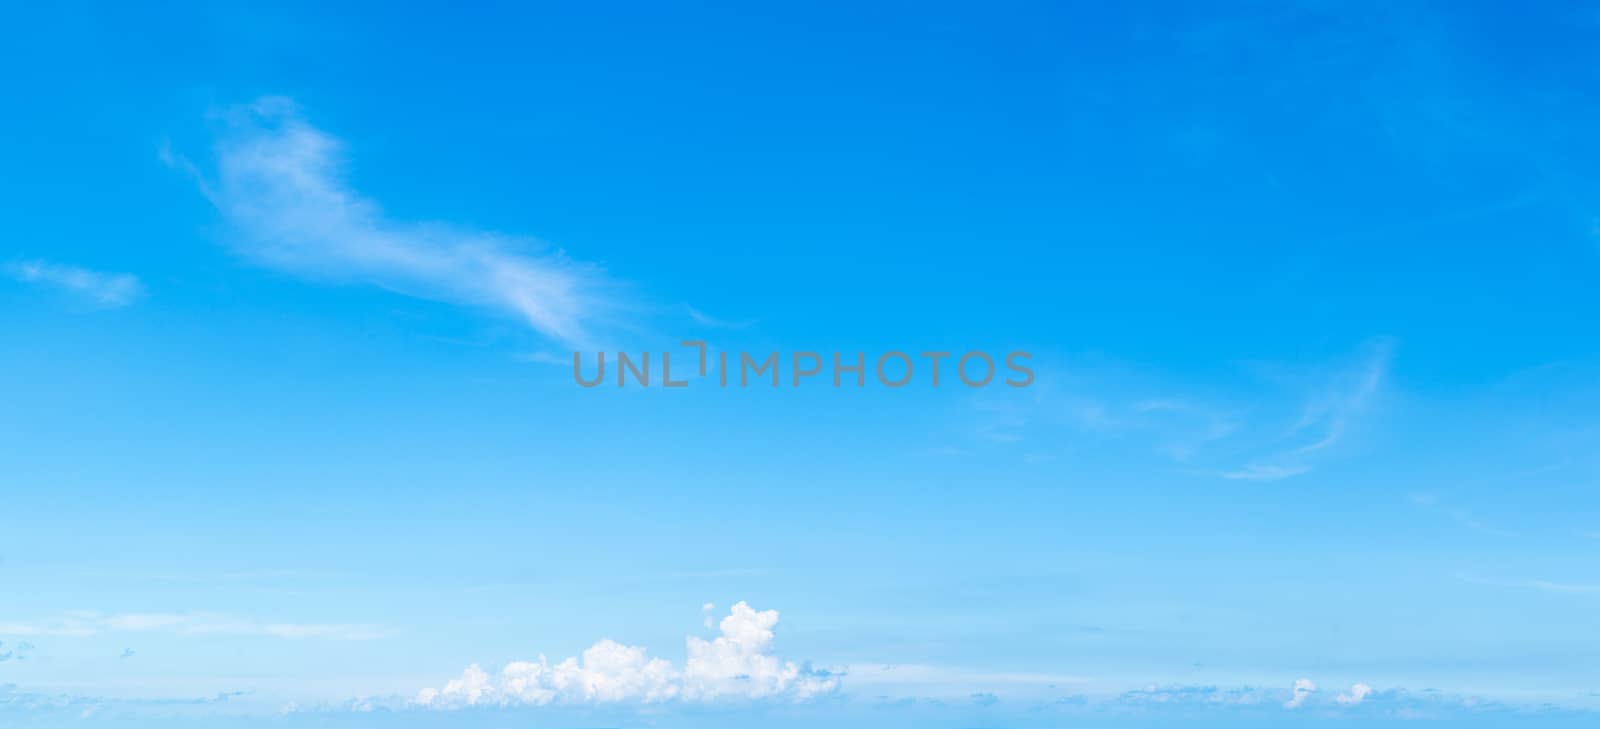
(286, 433)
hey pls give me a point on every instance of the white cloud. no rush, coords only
(1358, 693)
(1303, 689)
(1432, 501)
(711, 322)
(546, 358)
(1180, 695)
(1325, 418)
(280, 184)
(83, 624)
(949, 682)
(1328, 415)
(110, 290)
(1249, 705)
(1259, 472)
(737, 664)
(1569, 588)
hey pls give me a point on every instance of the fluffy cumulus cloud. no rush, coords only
(738, 664)
(607, 672)
(1358, 693)
(1303, 689)
(279, 181)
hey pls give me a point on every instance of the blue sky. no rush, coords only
(290, 433)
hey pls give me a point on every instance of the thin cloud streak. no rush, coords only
(947, 681)
(1325, 419)
(1566, 588)
(82, 624)
(110, 290)
(1434, 502)
(279, 182)
(1258, 472)
(711, 322)
(1346, 397)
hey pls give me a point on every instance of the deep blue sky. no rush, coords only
(1309, 289)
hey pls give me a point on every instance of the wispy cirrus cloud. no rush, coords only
(110, 290)
(1281, 422)
(712, 322)
(32, 707)
(86, 623)
(1566, 588)
(1260, 472)
(1436, 503)
(279, 181)
(1328, 414)
(945, 682)
(1325, 419)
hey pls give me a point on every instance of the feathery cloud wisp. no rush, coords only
(1325, 418)
(110, 290)
(1330, 413)
(1566, 588)
(737, 664)
(1259, 472)
(81, 624)
(711, 322)
(279, 182)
